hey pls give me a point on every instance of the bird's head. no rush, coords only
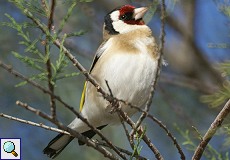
(124, 19)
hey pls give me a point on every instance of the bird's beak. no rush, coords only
(139, 13)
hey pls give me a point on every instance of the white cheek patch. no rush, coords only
(115, 16)
(118, 24)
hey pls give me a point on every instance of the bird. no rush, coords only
(126, 61)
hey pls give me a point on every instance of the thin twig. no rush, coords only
(50, 82)
(36, 111)
(127, 133)
(48, 62)
(125, 151)
(151, 146)
(211, 131)
(34, 124)
(50, 20)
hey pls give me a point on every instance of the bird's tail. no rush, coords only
(56, 145)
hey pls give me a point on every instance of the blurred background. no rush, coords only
(197, 39)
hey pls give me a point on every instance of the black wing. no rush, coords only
(98, 54)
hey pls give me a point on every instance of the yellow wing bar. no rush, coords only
(83, 97)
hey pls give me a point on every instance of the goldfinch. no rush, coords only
(127, 60)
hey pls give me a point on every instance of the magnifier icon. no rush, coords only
(9, 147)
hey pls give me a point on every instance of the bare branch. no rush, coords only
(50, 20)
(48, 62)
(34, 124)
(36, 111)
(211, 131)
(130, 139)
(125, 151)
(50, 82)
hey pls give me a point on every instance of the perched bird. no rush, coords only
(127, 60)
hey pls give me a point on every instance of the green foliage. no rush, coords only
(224, 7)
(218, 98)
(33, 56)
(137, 148)
(210, 152)
(34, 6)
(225, 68)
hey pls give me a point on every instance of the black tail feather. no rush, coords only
(89, 134)
(52, 153)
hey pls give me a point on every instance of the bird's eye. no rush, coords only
(123, 17)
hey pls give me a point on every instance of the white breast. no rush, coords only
(129, 76)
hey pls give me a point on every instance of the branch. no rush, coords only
(50, 20)
(130, 139)
(34, 124)
(211, 131)
(48, 62)
(138, 157)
